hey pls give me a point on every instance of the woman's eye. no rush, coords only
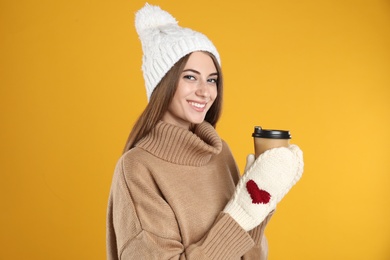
(190, 77)
(213, 81)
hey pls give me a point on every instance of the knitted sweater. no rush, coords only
(167, 197)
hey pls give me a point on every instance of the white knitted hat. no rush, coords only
(164, 42)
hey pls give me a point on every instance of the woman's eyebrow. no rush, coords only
(197, 72)
(192, 70)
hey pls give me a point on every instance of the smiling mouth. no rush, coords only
(198, 106)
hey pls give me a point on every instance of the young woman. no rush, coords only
(176, 191)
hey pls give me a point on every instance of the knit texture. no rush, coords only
(164, 42)
(264, 185)
(167, 197)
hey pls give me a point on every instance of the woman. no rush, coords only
(176, 191)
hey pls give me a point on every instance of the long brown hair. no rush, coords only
(162, 97)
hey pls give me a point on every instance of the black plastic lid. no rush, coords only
(272, 134)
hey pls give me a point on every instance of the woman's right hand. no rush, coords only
(264, 184)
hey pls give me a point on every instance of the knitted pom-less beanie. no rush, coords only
(164, 42)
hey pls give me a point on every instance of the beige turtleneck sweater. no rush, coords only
(167, 197)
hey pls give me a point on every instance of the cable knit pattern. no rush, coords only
(180, 146)
(164, 42)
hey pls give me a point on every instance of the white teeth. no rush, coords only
(197, 105)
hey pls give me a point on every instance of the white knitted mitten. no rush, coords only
(266, 181)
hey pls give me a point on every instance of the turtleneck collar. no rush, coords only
(181, 146)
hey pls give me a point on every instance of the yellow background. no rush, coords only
(71, 88)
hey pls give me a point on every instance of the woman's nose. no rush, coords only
(203, 90)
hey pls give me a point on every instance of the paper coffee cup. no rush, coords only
(265, 139)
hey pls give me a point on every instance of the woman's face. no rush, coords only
(195, 93)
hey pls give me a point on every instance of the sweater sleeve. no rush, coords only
(260, 249)
(127, 237)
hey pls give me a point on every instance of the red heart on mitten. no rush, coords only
(258, 195)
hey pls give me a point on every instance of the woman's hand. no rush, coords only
(264, 184)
